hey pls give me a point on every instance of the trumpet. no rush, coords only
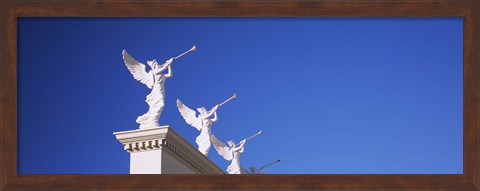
(260, 132)
(233, 97)
(194, 48)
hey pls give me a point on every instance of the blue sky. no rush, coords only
(332, 95)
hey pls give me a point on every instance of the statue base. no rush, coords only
(161, 150)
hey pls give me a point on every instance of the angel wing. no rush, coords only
(189, 115)
(222, 149)
(137, 69)
(247, 171)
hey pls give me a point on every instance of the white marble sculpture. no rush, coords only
(231, 152)
(203, 123)
(155, 80)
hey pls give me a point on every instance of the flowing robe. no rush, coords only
(203, 140)
(155, 101)
(234, 167)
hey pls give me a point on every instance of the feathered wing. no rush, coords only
(137, 69)
(222, 149)
(189, 115)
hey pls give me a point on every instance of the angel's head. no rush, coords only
(150, 63)
(202, 110)
(231, 143)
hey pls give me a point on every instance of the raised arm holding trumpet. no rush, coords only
(158, 69)
(203, 122)
(155, 80)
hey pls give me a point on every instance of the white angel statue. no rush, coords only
(261, 170)
(155, 80)
(203, 123)
(230, 153)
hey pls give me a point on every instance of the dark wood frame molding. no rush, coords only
(11, 10)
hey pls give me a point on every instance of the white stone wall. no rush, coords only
(148, 162)
(170, 165)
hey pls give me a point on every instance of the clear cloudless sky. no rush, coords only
(332, 95)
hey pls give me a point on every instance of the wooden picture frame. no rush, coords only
(11, 10)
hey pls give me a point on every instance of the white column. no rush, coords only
(148, 162)
(162, 151)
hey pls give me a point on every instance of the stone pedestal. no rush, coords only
(162, 151)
